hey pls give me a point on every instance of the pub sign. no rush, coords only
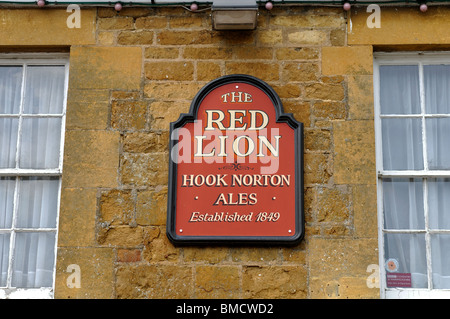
(236, 167)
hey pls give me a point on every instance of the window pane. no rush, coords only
(8, 142)
(4, 258)
(439, 203)
(40, 143)
(402, 144)
(38, 202)
(44, 89)
(437, 88)
(399, 89)
(10, 89)
(407, 251)
(33, 260)
(403, 204)
(438, 131)
(29, 204)
(440, 252)
(7, 186)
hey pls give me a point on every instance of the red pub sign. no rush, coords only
(236, 167)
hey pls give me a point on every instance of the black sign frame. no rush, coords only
(281, 117)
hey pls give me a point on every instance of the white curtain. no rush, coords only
(10, 89)
(437, 101)
(403, 150)
(39, 148)
(402, 144)
(404, 210)
(41, 137)
(44, 90)
(403, 203)
(34, 252)
(437, 85)
(4, 260)
(10, 94)
(402, 138)
(399, 89)
(7, 186)
(38, 202)
(33, 260)
(438, 132)
(440, 250)
(439, 218)
(8, 141)
(40, 143)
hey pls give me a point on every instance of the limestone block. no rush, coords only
(171, 71)
(96, 270)
(87, 109)
(407, 26)
(217, 282)
(151, 207)
(116, 207)
(347, 60)
(360, 97)
(305, 37)
(77, 217)
(354, 147)
(91, 159)
(105, 68)
(338, 266)
(258, 282)
(142, 281)
(25, 27)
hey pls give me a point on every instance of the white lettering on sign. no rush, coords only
(237, 97)
(236, 121)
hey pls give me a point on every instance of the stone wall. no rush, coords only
(134, 72)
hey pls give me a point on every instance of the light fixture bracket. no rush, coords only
(234, 14)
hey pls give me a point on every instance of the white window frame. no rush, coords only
(32, 59)
(406, 58)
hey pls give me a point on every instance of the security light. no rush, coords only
(234, 14)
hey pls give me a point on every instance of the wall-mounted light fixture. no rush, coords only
(234, 14)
